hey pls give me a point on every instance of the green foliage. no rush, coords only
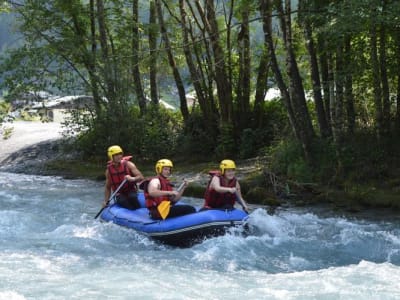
(248, 139)
(226, 143)
(287, 160)
(273, 127)
(4, 7)
(198, 140)
(161, 131)
(147, 138)
(378, 161)
(6, 132)
(28, 116)
(4, 110)
(353, 163)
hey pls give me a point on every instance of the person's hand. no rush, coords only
(129, 178)
(105, 202)
(185, 183)
(172, 195)
(232, 190)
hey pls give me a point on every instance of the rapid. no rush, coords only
(52, 248)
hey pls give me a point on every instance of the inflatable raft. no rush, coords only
(183, 231)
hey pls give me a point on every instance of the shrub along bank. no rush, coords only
(263, 186)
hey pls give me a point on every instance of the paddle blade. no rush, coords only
(163, 208)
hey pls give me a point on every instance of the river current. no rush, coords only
(52, 248)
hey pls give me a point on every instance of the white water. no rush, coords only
(52, 248)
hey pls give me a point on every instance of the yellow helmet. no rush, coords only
(226, 164)
(112, 150)
(163, 163)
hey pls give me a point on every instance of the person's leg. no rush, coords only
(133, 200)
(180, 210)
(130, 202)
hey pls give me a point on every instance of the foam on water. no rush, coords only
(52, 248)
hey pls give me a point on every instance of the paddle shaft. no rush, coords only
(112, 196)
(181, 186)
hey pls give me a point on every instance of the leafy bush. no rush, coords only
(226, 143)
(159, 131)
(198, 139)
(287, 159)
(273, 126)
(148, 137)
(4, 110)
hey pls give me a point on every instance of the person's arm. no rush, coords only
(179, 191)
(107, 189)
(215, 184)
(239, 196)
(137, 175)
(154, 189)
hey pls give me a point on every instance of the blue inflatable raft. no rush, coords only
(183, 231)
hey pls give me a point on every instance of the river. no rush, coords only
(52, 248)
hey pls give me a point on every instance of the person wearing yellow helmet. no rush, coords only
(122, 175)
(223, 189)
(159, 191)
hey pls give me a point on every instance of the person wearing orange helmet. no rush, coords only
(223, 189)
(160, 195)
(121, 176)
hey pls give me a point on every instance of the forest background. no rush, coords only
(336, 64)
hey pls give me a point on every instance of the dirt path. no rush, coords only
(25, 141)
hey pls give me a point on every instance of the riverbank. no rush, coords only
(36, 148)
(27, 146)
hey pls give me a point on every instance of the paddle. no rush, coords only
(240, 201)
(109, 199)
(165, 206)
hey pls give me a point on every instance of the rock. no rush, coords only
(29, 146)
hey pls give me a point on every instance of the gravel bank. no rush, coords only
(30, 144)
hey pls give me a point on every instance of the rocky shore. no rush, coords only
(31, 146)
(28, 146)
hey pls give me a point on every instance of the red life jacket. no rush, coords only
(117, 175)
(213, 199)
(153, 202)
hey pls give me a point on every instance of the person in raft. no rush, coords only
(224, 188)
(160, 196)
(122, 174)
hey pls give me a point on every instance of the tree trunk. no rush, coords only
(243, 86)
(261, 86)
(178, 80)
(337, 105)
(266, 13)
(296, 90)
(153, 32)
(348, 88)
(316, 83)
(137, 80)
(204, 60)
(196, 75)
(91, 62)
(397, 38)
(384, 81)
(224, 89)
(324, 63)
(376, 82)
(108, 73)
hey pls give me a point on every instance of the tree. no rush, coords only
(172, 62)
